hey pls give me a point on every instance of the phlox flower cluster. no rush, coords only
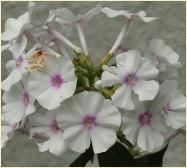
(72, 103)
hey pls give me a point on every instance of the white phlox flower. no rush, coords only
(174, 106)
(46, 125)
(54, 83)
(144, 126)
(15, 29)
(17, 66)
(88, 118)
(165, 59)
(18, 103)
(133, 74)
(114, 13)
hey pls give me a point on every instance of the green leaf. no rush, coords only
(117, 155)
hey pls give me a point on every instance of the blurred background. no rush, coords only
(100, 34)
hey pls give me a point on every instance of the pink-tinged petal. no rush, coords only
(128, 61)
(13, 112)
(109, 115)
(18, 47)
(122, 98)
(12, 29)
(14, 77)
(102, 139)
(77, 138)
(149, 139)
(147, 70)
(146, 90)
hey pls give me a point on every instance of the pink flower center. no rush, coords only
(145, 118)
(19, 61)
(57, 81)
(89, 121)
(167, 108)
(25, 99)
(54, 127)
(130, 79)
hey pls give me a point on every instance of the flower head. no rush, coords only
(54, 83)
(134, 74)
(89, 116)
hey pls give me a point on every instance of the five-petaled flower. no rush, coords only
(86, 117)
(133, 73)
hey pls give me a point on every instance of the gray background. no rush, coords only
(100, 33)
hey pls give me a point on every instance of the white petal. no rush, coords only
(175, 119)
(18, 47)
(12, 29)
(113, 13)
(38, 83)
(90, 102)
(157, 46)
(13, 112)
(55, 144)
(52, 65)
(67, 69)
(170, 55)
(13, 95)
(143, 16)
(5, 47)
(109, 79)
(122, 98)
(109, 115)
(25, 18)
(69, 114)
(77, 138)
(10, 65)
(147, 71)
(158, 123)
(49, 99)
(128, 61)
(67, 90)
(131, 131)
(179, 103)
(149, 139)
(102, 139)
(93, 12)
(14, 77)
(146, 90)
